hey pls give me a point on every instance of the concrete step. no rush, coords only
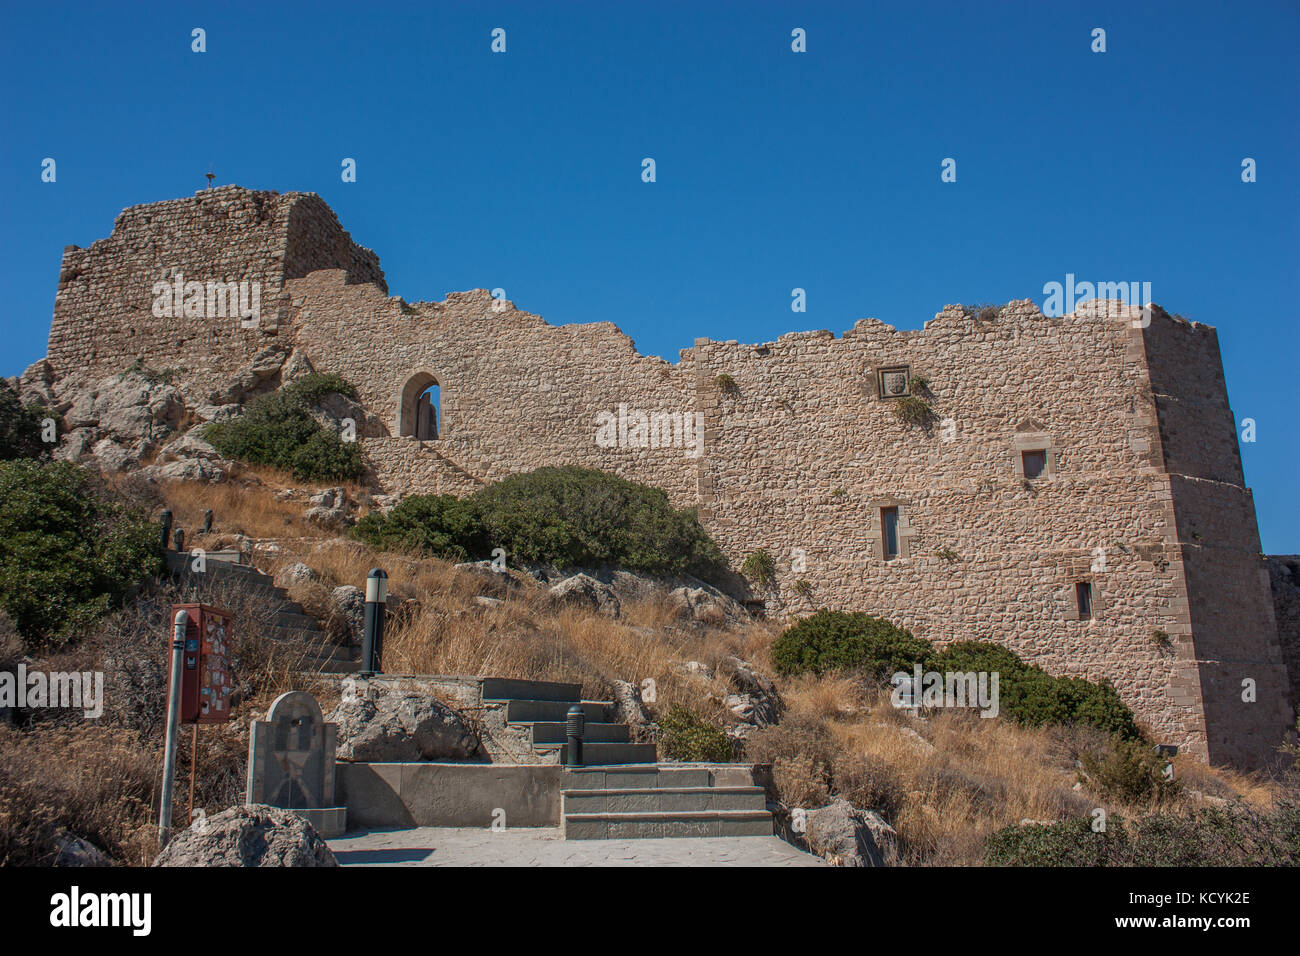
(553, 732)
(664, 800)
(506, 688)
(301, 635)
(704, 823)
(671, 776)
(530, 711)
(603, 754)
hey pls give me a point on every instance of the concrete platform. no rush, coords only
(546, 846)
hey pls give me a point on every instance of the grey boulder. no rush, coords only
(254, 835)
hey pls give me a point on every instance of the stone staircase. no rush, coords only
(540, 709)
(621, 791)
(296, 632)
(664, 800)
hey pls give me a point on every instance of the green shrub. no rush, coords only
(441, 525)
(563, 516)
(68, 552)
(915, 411)
(20, 427)
(1130, 771)
(831, 640)
(574, 516)
(1229, 836)
(759, 568)
(684, 736)
(1031, 696)
(278, 430)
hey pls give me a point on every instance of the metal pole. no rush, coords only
(173, 728)
(207, 521)
(372, 643)
(194, 765)
(166, 529)
(180, 539)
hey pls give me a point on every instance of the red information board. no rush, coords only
(206, 681)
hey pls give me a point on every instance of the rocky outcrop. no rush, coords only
(72, 850)
(375, 725)
(255, 835)
(630, 710)
(756, 700)
(846, 836)
(584, 591)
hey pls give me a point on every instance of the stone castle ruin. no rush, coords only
(1071, 487)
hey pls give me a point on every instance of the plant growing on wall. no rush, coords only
(803, 588)
(946, 554)
(914, 410)
(726, 384)
(759, 568)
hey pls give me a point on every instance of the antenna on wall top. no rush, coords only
(211, 176)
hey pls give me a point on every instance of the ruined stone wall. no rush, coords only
(103, 311)
(1142, 499)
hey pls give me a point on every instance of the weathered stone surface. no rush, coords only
(188, 469)
(847, 836)
(757, 700)
(254, 835)
(296, 573)
(380, 727)
(706, 605)
(129, 408)
(350, 603)
(584, 591)
(630, 710)
(72, 850)
(190, 445)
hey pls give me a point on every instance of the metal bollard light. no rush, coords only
(166, 529)
(372, 643)
(573, 727)
(207, 521)
(180, 539)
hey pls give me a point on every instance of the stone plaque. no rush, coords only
(893, 381)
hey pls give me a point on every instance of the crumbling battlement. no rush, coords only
(1071, 486)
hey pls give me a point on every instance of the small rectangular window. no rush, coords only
(1083, 594)
(889, 532)
(1035, 462)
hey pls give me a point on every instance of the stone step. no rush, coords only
(664, 800)
(530, 711)
(553, 732)
(671, 776)
(703, 823)
(284, 618)
(605, 754)
(506, 688)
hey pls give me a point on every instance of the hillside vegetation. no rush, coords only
(1021, 788)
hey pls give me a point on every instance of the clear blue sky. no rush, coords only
(775, 169)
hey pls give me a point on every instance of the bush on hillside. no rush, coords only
(68, 551)
(441, 525)
(685, 736)
(1031, 696)
(1130, 771)
(835, 640)
(20, 427)
(279, 430)
(566, 516)
(1212, 836)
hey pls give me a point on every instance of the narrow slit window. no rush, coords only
(1083, 594)
(1035, 462)
(889, 532)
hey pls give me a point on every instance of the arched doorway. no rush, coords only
(420, 407)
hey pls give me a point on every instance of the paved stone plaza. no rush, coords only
(544, 846)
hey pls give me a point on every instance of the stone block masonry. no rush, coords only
(1077, 493)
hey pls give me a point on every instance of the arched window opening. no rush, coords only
(421, 407)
